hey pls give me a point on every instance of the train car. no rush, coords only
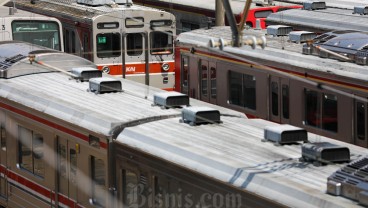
(74, 137)
(123, 39)
(283, 82)
(30, 27)
(342, 4)
(321, 20)
(192, 14)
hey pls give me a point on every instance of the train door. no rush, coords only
(136, 59)
(279, 99)
(207, 75)
(3, 159)
(360, 121)
(67, 168)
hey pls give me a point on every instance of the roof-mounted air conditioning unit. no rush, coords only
(200, 115)
(279, 30)
(314, 5)
(285, 134)
(86, 73)
(104, 85)
(362, 10)
(170, 99)
(301, 36)
(324, 152)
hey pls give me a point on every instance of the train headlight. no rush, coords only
(106, 69)
(165, 66)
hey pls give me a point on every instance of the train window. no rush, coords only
(204, 76)
(213, 82)
(329, 112)
(63, 179)
(73, 173)
(94, 141)
(3, 138)
(312, 106)
(161, 23)
(66, 41)
(134, 22)
(360, 121)
(43, 33)
(108, 45)
(285, 101)
(161, 43)
(130, 187)
(134, 44)
(99, 180)
(187, 26)
(242, 90)
(73, 42)
(107, 25)
(31, 151)
(185, 74)
(275, 98)
(262, 14)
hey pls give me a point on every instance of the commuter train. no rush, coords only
(30, 27)
(192, 14)
(121, 38)
(283, 83)
(321, 18)
(74, 137)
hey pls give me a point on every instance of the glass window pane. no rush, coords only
(134, 44)
(185, 75)
(285, 101)
(275, 98)
(63, 177)
(73, 42)
(235, 86)
(3, 138)
(360, 120)
(312, 112)
(43, 33)
(25, 148)
(38, 152)
(99, 180)
(204, 76)
(329, 112)
(130, 188)
(161, 43)
(249, 83)
(213, 82)
(73, 173)
(108, 45)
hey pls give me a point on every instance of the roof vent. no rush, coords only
(170, 99)
(301, 36)
(200, 115)
(86, 73)
(362, 10)
(104, 84)
(279, 30)
(324, 152)
(103, 2)
(284, 134)
(314, 5)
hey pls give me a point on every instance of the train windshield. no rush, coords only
(43, 33)
(161, 43)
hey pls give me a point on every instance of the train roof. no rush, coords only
(57, 95)
(4, 12)
(278, 52)
(233, 153)
(320, 21)
(73, 9)
(343, 4)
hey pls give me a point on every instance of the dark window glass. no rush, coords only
(236, 88)
(204, 76)
(185, 75)
(73, 42)
(262, 14)
(275, 98)
(43, 33)
(99, 180)
(312, 106)
(186, 26)
(107, 25)
(213, 82)
(134, 44)
(285, 101)
(161, 43)
(3, 138)
(360, 120)
(73, 173)
(329, 112)
(242, 90)
(108, 45)
(249, 83)
(66, 41)
(63, 179)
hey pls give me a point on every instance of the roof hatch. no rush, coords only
(170, 99)
(324, 152)
(200, 115)
(285, 134)
(104, 85)
(86, 73)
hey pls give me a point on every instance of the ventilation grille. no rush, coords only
(325, 152)
(86, 73)
(170, 99)
(10, 61)
(200, 115)
(284, 134)
(279, 30)
(104, 85)
(301, 36)
(314, 5)
(362, 10)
